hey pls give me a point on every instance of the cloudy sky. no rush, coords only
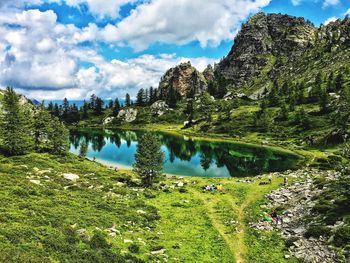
(51, 49)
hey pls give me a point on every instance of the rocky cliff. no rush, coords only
(183, 79)
(261, 41)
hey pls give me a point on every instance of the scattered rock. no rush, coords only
(71, 177)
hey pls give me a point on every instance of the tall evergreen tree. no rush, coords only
(16, 125)
(116, 107)
(339, 82)
(127, 100)
(149, 159)
(206, 107)
(273, 95)
(42, 128)
(140, 98)
(59, 138)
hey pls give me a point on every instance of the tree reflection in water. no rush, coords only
(238, 159)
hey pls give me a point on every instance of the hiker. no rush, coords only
(270, 178)
(285, 180)
(275, 217)
(220, 187)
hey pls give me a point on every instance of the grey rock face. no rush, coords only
(159, 108)
(183, 79)
(128, 115)
(261, 40)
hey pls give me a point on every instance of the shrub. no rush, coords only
(134, 248)
(98, 241)
(317, 231)
(342, 236)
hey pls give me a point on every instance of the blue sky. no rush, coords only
(50, 49)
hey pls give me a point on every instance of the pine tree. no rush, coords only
(342, 114)
(65, 109)
(324, 100)
(339, 82)
(172, 98)
(206, 107)
(83, 149)
(116, 107)
(302, 119)
(42, 128)
(140, 98)
(330, 82)
(273, 95)
(283, 114)
(59, 138)
(85, 110)
(110, 104)
(127, 100)
(98, 110)
(16, 125)
(149, 159)
(92, 101)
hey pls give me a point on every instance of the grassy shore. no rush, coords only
(105, 215)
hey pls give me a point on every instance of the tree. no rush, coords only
(116, 107)
(16, 125)
(85, 110)
(110, 104)
(339, 82)
(189, 110)
(42, 128)
(127, 100)
(324, 100)
(83, 149)
(98, 110)
(65, 109)
(149, 159)
(342, 114)
(283, 114)
(302, 119)
(140, 98)
(206, 107)
(59, 137)
(172, 97)
(273, 95)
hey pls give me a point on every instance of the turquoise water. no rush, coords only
(184, 156)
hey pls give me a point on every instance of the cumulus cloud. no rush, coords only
(330, 20)
(328, 3)
(42, 58)
(296, 2)
(174, 22)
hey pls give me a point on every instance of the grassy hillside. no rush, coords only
(106, 216)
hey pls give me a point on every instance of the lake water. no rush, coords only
(184, 156)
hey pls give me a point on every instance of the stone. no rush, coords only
(37, 182)
(159, 108)
(71, 177)
(128, 115)
(183, 79)
(108, 120)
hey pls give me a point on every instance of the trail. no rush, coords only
(234, 240)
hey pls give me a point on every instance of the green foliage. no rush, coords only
(98, 241)
(16, 125)
(83, 149)
(206, 107)
(149, 159)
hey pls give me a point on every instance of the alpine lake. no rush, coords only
(184, 156)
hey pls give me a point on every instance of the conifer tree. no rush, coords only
(206, 107)
(59, 138)
(140, 98)
(273, 95)
(83, 149)
(324, 100)
(127, 100)
(116, 107)
(42, 128)
(339, 82)
(283, 114)
(98, 110)
(149, 159)
(16, 125)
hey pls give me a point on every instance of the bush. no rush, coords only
(134, 248)
(317, 231)
(342, 236)
(98, 241)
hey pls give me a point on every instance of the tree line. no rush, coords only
(25, 128)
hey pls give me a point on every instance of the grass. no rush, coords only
(63, 221)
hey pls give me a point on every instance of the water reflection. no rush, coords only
(184, 156)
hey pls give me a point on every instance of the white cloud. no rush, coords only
(41, 58)
(182, 21)
(296, 2)
(347, 12)
(328, 3)
(329, 20)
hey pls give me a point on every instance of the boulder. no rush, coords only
(128, 115)
(108, 120)
(71, 177)
(159, 108)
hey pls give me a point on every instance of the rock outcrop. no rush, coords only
(128, 115)
(159, 108)
(262, 39)
(209, 74)
(183, 79)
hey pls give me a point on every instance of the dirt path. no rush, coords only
(235, 239)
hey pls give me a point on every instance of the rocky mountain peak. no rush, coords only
(208, 73)
(263, 38)
(183, 79)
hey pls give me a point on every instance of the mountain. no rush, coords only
(268, 48)
(183, 79)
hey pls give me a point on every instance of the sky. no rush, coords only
(52, 49)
